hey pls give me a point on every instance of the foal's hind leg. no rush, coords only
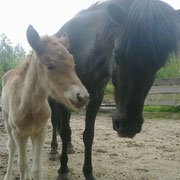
(12, 150)
(37, 165)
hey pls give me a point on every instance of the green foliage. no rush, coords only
(172, 69)
(10, 56)
(109, 88)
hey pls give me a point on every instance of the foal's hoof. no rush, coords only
(53, 155)
(65, 176)
(70, 148)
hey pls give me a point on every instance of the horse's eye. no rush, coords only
(50, 67)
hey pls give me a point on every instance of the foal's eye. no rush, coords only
(50, 67)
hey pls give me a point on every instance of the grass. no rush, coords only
(162, 109)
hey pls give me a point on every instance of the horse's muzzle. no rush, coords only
(125, 126)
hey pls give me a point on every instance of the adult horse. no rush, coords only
(127, 40)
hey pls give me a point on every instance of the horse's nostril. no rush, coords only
(117, 123)
(138, 130)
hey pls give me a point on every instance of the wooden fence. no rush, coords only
(164, 92)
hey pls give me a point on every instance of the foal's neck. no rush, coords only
(34, 92)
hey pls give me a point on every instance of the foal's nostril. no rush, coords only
(79, 97)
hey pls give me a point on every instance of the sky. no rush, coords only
(47, 16)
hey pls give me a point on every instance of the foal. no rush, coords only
(48, 71)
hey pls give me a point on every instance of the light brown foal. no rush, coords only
(48, 71)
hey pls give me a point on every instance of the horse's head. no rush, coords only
(131, 85)
(148, 33)
(56, 69)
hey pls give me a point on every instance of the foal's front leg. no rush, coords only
(37, 165)
(21, 142)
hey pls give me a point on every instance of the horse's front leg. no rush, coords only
(65, 135)
(88, 136)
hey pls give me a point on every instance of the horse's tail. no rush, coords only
(151, 32)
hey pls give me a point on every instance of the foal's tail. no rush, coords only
(151, 32)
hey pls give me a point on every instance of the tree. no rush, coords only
(10, 56)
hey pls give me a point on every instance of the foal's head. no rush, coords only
(56, 69)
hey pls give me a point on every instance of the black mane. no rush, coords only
(150, 33)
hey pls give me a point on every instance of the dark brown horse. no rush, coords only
(128, 41)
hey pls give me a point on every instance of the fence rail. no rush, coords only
(164, 92)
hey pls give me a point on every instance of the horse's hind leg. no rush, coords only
(53, 154)
(12, 150)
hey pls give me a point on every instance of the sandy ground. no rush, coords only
(154, 154)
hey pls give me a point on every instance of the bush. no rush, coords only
(171, 69)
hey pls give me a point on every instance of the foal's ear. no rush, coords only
(64, 40)
(116, 13)
(34, 40)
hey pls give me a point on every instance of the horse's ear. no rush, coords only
(64, 40)
(34, 40)
(116, 13)
(178, 13)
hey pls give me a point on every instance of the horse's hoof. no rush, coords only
(65, 176)
(53, 156)
(90, 177)
(71, 151)
(70, 148)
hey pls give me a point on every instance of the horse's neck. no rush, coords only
(34, 90)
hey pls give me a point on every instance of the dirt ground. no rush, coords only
(154, 154)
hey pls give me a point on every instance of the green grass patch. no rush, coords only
(162, 109)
